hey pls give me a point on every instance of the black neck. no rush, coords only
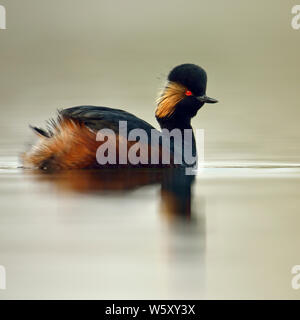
(174, 123)
(181, 124)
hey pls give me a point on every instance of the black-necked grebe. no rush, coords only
(71, 141)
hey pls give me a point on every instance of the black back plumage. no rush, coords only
(97, 118)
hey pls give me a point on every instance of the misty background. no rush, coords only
(63, 53)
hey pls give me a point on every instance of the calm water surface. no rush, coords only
(231, 233)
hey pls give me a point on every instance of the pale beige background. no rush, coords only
(117, 53)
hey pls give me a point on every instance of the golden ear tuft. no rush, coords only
(169, 97)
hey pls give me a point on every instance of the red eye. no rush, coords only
(188, 93)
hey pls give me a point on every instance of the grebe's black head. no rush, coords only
(184, 94)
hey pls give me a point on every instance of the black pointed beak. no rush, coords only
(206, 99)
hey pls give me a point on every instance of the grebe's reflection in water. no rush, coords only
(136, 233)
(176, 186)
